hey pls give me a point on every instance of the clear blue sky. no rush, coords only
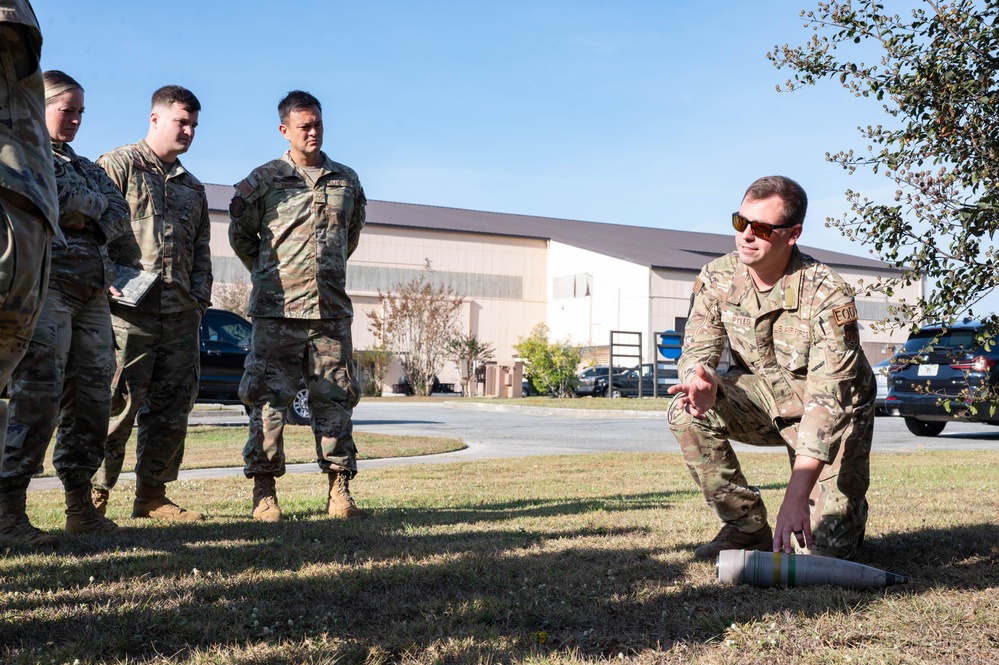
(650, 113)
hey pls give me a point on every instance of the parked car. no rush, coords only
(881, 376)
(936, 364)
(593, 381)
(626, 384)
(225, 343)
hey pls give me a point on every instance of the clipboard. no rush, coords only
(133, 283)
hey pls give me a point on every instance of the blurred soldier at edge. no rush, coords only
(64, 379)
(294, 222)
(156, 381)
(29, 216)
(799, 379)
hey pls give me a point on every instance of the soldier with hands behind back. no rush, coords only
(294, 222)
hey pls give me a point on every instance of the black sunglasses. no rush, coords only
(760, 229)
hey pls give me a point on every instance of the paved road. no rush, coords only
(496, 431)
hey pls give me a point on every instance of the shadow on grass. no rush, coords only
(405, 582)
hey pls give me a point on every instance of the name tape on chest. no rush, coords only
(845, 314)
(729, 317)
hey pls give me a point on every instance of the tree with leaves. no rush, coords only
(418, 320)
(373, 364)
(467, 352)
(550, 366)
(232, 296)
(935, 73)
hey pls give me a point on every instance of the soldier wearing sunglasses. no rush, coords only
(799, 379)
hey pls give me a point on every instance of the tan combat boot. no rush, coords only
(83, 517)
(99, 497)
(265, 503)
(733, 538)
(340, 503)
(151, 501)
(15, 529)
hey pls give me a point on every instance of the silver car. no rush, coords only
(881, 376)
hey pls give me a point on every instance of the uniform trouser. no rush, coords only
(64, 379)
(837, 504)
(286, 351)
(25, 249)
(155, 385)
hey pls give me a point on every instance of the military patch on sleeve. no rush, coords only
(244, 187)
(698, 285)
(237, 207)
(844, 314)
(851, 335)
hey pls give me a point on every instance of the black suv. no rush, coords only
(937, 364)
(593, 381)
(640, 380)
(225, 343)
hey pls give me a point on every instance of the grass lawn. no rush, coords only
(568, 559)
(212, 446)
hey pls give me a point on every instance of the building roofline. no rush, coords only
(668, 249)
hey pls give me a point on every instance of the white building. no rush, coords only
(583, 279)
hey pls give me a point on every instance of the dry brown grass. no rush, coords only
(570, 559)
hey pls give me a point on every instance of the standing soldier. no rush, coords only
(799, 379)
(156, 381)
(29, 215)
(65, 376)
(293, 223)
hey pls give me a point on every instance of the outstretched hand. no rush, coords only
(699, 394)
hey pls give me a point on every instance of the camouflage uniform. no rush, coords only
(295, 236)
(799, 379)
(156, 380)
(29, 210)
(66, 372)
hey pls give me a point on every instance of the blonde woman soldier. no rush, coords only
(63, 383)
